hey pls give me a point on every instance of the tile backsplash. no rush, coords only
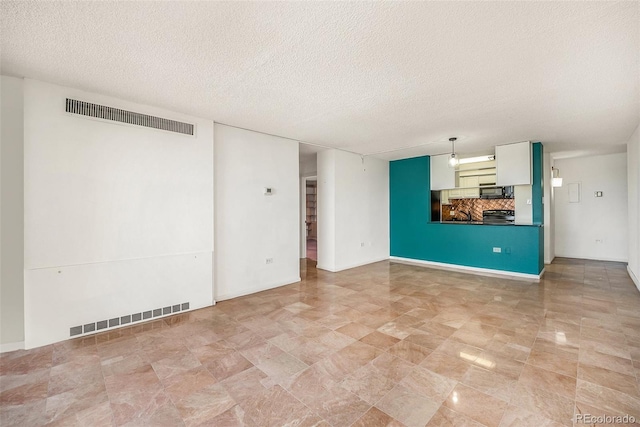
(475, 206)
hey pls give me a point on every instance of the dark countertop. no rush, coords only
(482, 223)
(463, 222)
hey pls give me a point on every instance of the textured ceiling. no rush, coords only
(368, 77)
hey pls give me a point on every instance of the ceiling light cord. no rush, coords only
(453, 160)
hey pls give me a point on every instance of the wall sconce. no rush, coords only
(556, 181)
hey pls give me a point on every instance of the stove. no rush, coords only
(498, 216)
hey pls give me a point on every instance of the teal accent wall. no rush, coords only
(538, 184)
(414, 236)
(537, 191)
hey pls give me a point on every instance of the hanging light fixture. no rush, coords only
(556, 181)
(453, 160)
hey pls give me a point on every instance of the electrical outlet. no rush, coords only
(599, 240)
(497, 250)
(362, 244)
(269, 260)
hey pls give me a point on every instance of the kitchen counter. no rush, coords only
(463, 222)
(482, 223)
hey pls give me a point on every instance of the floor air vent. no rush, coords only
(123, 116)
(129, 318)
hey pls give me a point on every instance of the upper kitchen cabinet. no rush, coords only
(442, 177)
(477, 174)
(513, 164)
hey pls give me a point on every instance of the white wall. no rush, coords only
(549, 218)
(579, 226)
(633, 177)
(251, 227)
(326, 209)
(522, 197)
(309, 165)
(353, 210)
(118, 218)
(12, 214)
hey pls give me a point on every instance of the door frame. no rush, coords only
(303, 213)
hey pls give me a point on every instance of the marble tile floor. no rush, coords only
(381, 345)
(312, 250)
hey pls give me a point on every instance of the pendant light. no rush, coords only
(453, 160)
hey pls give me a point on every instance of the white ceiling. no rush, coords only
(368, 77)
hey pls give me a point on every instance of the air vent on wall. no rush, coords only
(129, 318)
(123, 116)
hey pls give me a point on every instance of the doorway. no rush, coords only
(308, 190)
(311, 218)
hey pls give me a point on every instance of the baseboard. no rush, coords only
(466, 269)
(593, 258)
(255, 290)
(633, 277)
(349, 266)
(11, 346)
(550, 261)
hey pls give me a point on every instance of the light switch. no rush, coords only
(598, 193)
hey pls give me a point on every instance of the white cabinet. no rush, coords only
(469, 186)
(477, 174)
(469, 181)
(487, 179)
(444, 197)
(469, 193)
(442, 176)
(513, 164)
(463, 193)
(455, 193)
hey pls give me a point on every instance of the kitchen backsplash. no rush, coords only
(475, 206)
